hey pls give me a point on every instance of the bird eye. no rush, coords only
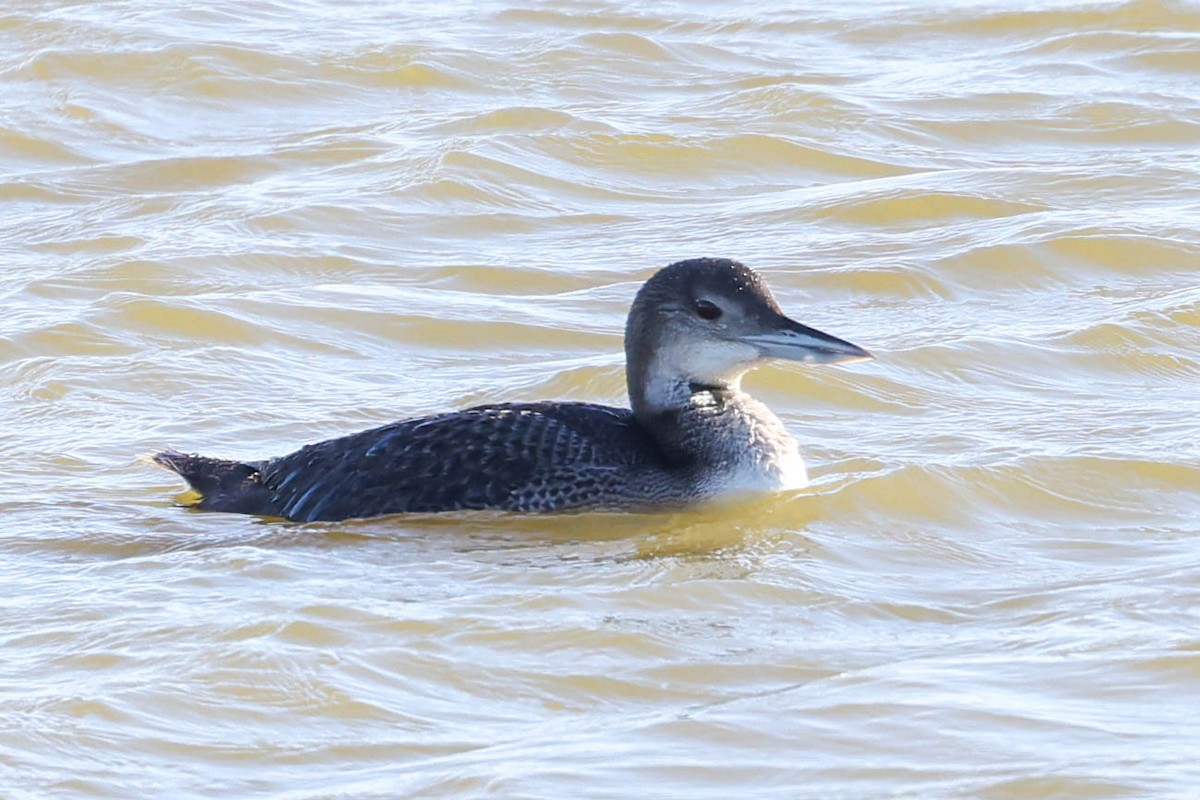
(708, 310)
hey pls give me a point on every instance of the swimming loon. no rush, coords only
(695, 328)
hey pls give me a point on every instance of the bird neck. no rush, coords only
(656, 389)
(722, 439)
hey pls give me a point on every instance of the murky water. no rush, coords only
(235, 228)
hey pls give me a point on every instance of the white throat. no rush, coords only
(675, 369)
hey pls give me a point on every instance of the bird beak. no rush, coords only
(795, 342)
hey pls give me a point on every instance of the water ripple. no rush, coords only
(239, 228)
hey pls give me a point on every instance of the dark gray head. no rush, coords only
(702, 323)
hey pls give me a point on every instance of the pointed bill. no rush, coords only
(795, 342)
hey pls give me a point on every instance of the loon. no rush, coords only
(691, 434)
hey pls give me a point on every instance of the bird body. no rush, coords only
(691, 435)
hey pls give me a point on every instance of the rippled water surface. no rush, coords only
(237, 227)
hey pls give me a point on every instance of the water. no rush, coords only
(235, 228)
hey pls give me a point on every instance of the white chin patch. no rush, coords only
(711, 362)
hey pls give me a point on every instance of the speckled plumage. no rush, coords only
(692, 434)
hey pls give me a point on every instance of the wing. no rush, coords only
(520, 456)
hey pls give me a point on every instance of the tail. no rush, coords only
(222, 485)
